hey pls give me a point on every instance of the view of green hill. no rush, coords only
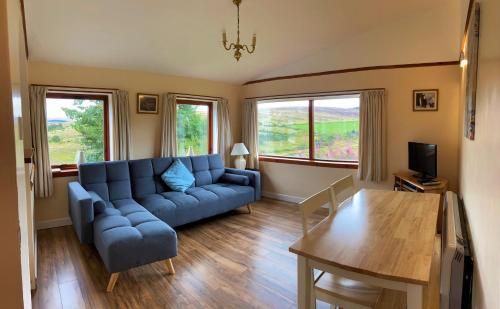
(75, 125)
(283, 131)
(64, 142)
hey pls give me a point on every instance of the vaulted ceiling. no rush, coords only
(293, 36)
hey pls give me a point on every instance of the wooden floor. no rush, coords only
(236, 260)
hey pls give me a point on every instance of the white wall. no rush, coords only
(479, 164)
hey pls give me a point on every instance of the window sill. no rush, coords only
(57, 172)
(321, 163)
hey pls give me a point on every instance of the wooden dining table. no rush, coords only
(383, 238)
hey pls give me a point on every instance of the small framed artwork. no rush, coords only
(425, 100)
(147, 103)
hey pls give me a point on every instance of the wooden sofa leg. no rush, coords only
(249, 207)
(170, 266)
(112, 282)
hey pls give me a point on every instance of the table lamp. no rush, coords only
(239, 150)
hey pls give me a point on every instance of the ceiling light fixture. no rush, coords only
(237, 46)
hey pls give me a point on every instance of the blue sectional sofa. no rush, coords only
(126, 210)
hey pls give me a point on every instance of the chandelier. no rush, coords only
(238, 46)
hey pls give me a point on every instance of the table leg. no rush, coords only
(414, 296)
(305, 284)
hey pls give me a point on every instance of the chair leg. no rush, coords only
(249, 207)
(112, 282)
(170, 266)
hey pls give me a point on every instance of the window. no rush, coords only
(310, 130)
(336, 129)
(76, 122)
(194, 127)
(284, 129)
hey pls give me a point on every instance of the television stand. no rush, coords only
(421, 178)
(406, 181)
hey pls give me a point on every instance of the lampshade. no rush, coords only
(239, 149)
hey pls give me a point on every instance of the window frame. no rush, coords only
(65, 170)
(310, 161)
(185, 101)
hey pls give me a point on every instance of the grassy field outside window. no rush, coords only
(284, 126)
(73, 125)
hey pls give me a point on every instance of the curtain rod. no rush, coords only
(316, 94)
(75, 87)
(194, 96)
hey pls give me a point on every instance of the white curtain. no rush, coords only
(224, 135)
(249, 132)
(38, 117)
(372, 152)
(168, 125)
(121, 125)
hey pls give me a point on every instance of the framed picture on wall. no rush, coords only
(425, 100)
(470, 67)
(147, 103)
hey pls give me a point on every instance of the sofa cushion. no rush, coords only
(131, 236)
(92, 177)
(201, 172)
(160, 207)
(118, 178)
(241, 180)
(142, 178)
(110, 180)
(178, 177)
(232, 195)
(216, 167)
(187, 207)
(160, 165)
(210, 203)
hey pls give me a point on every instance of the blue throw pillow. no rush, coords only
(178, 177)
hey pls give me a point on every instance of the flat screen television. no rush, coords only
(422, 158)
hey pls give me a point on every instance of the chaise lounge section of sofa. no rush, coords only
(128, 213)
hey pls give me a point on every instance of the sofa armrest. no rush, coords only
(81, 210)
(254, 177)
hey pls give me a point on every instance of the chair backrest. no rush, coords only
(312, 203)
(342, 190)
(332, 196)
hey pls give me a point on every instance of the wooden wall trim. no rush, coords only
(313, 94)
(76, 88)
(195, 96)
(378, 67)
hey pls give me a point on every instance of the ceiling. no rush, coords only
(184, 37)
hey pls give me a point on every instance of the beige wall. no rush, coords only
(403, 124)
(146, 128)
(392, 41)
(146, 131)
(479, 165)
(14, 263)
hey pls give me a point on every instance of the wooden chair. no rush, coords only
(335, 290)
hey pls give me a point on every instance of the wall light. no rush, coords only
(463, 60)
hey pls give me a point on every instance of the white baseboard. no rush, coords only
(283, 197)
(47, 224)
